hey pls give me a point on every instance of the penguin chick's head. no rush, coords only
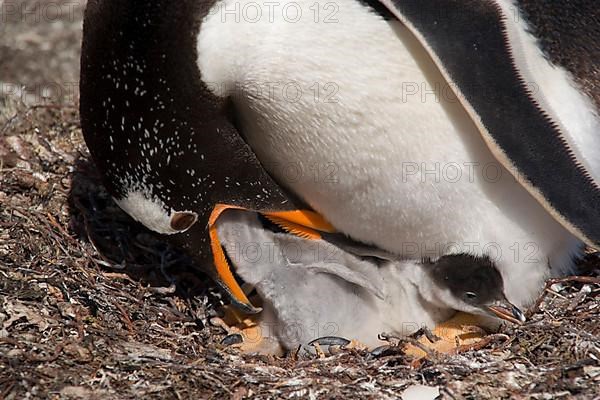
(473, 285)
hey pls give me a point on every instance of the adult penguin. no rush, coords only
(424, 128)
(437, 126)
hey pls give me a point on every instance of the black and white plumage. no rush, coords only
(443, 127)
(449, 132)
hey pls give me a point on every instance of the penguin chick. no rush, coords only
(468, 283)
(312, 288)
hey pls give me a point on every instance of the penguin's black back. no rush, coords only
(569, 35)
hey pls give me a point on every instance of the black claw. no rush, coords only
(384, 350)
(424, 331)
(234, 338)
(330, 341)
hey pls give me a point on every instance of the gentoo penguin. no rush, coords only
(424, 128)
(311, 288)
(443, 122)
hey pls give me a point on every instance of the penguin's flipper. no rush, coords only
(302, 223)
(468, 41)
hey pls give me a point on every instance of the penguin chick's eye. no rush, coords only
(470, 296)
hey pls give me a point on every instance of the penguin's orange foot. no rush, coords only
(245, 333)
(458, 334)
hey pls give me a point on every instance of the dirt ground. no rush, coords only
(94, 306)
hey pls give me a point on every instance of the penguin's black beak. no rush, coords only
(507, 311)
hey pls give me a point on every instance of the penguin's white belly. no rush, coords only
(354, 117)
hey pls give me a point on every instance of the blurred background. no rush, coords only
(39, 51)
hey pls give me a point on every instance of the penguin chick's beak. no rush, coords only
(505, 310)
